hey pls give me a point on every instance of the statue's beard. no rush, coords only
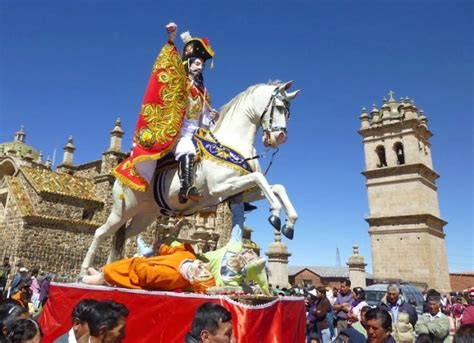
(197, 77)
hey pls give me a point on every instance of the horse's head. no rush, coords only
(275, 115)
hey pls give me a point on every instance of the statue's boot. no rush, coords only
(186, 175)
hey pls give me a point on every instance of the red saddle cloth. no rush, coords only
(160, 118)
(166, 316)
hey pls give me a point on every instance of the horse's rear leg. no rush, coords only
(138, 224)
(113, 223)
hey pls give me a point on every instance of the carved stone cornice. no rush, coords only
(417, 168)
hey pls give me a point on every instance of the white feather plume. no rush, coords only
(186, 37)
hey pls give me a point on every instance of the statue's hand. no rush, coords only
(215, 115)
(171, 28)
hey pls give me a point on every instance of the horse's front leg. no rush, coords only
(239, 184)
(291, 215)
(280, 192)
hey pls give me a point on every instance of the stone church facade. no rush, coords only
(48, 217)
(405, 226)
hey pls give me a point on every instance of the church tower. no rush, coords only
(405, 227)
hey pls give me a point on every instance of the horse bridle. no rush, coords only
(271, 102)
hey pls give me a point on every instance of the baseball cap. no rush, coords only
(23, 269)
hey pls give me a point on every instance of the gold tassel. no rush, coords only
(121, 196)
(212, 64)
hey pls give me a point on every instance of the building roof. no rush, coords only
(325, 271)
(45, 181)
(28, 211)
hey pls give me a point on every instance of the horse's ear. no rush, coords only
(284, 87)
(290, 96)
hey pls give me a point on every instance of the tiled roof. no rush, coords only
(22, 199)
(45, 181)
(27, 210)
(325, 271)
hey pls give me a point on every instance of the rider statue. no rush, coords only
(175, 105)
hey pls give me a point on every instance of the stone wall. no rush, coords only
(422, 260)
(422, 198)
(57, 250)
(10, 229)
(88, 170)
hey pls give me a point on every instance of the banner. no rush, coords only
(167, 316)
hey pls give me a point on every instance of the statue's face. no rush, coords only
(195, 68)
(198, 271)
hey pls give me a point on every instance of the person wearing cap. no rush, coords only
(468, 316)
(175, 105)
(20, 276)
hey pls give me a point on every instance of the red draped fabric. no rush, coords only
(167, 316)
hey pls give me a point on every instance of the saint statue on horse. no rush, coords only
(176, 118)
(175, 105)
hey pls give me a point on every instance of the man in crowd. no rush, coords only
(342, 304)
(379, 326)
(107, 321)
(394, 303)
(211, 323)
(434, 322)
(79, 332)
(4, 272)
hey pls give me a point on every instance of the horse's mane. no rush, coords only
(229, 108)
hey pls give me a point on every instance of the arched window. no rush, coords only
(398, 148)
(380, 150)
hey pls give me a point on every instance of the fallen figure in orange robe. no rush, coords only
(175, 268)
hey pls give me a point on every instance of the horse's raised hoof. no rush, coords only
(275, 221)
(287, 232)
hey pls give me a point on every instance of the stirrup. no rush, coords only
(191, 193)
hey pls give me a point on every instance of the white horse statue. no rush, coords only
(263, 105)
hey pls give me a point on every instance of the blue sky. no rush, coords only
(74, 67)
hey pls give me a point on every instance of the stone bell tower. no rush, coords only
(405, 227)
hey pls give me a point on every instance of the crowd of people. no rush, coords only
(343, 315)
(332, 315)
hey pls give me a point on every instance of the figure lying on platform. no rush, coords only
(175, 268)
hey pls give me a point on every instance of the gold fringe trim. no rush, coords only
(127, 182)
(207, 155)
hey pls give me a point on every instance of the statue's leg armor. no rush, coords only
(186, 175)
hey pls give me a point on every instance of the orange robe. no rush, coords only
(18, 297)
(152, 273)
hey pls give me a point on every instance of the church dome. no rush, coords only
(20, 148)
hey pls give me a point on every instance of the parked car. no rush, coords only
(410, 293)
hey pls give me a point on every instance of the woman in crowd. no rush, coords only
(322, 308)
(358, 294)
